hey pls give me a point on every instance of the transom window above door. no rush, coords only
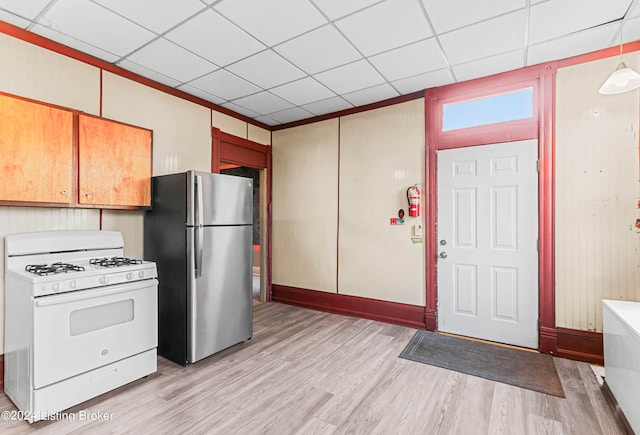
(510, 106)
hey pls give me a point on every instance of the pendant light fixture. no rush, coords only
(623, 79)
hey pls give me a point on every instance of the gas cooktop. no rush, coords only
(60, 267)
(50, 269)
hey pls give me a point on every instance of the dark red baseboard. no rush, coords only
(580, 345)
(548, 340)
(617, 411)
(390, 312)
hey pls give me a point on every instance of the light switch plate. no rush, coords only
(417, 230)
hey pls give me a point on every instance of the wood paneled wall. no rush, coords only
(381, 155)
(336, 185)
(305, 206)
(34, 72)
(597, 192)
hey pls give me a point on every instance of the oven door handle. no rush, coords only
(83, 295)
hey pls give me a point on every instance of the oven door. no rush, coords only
(86, 329)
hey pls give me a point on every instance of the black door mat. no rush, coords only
(530, 370)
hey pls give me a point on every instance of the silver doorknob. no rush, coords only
(442, 255)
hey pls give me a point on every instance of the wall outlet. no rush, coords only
(417, 230)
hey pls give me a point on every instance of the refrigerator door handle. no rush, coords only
(198, 251)
(199, 205)
(198, 248)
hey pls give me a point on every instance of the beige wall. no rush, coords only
(597, 193)
(33, 72)
(366, 162)
(305, 206)
(381, 155)
(229, 124)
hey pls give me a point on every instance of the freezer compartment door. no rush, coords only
(220, 199)
(221, 311)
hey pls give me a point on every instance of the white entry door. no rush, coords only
(488, 242)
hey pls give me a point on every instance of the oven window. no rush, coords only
(100, 317)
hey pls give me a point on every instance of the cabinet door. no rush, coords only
(114, 167)
(36, 151)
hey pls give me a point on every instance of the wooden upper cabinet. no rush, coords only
(36, 152)
(114, 163)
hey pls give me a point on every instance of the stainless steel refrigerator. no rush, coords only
(199, 233)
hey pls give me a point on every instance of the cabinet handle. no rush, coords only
(64, 192)
(88, 194)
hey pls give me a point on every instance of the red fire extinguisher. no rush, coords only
(413, 196)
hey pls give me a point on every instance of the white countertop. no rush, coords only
(627, 311)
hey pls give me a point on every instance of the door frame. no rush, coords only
(244, 152)
(541, 127)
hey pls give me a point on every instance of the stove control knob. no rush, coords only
(129, 275)
(56, 287)
(72, 284)
(104, 279)
(141, 274)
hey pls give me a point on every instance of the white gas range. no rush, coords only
(80, 319)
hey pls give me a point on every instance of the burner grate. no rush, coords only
(114, 261)
(51, 269)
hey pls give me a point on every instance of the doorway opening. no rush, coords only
(259, 198)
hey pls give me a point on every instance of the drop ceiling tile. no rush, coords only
(172, 60)
(499, 35)
(303, 91)
(225, 85)
(431, 79)
(263, 103)
(272, 21)
(371, 95)
(337, 9)
(266, 120)
(148, 73)
(24, 9)
(631, 31)
(329, 105)
(453, 14)
(14, 19)
(571, 45)
(213, 37)
(165, 13)
(319, 50)
(556, 18)
(74, 43)
(266, 69)
(241, 110)
(201, 94)
(95, 25)
(351, 77)
(489, 65)
(386, 25)
(290, 115)
(410, 60)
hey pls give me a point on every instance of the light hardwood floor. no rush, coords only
(308, 372)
